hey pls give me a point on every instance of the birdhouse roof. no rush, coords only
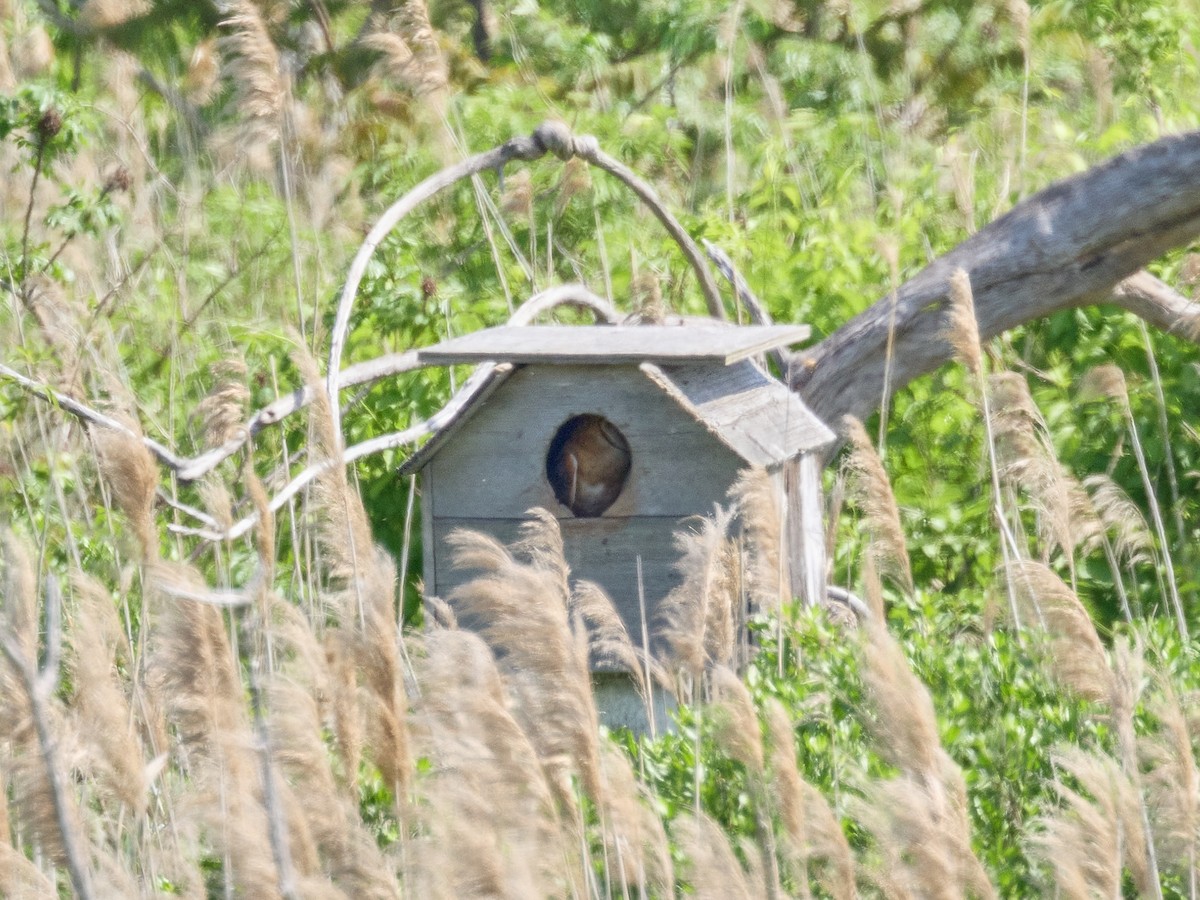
(743, 407)
(614, 344)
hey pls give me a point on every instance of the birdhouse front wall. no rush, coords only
(492, 469)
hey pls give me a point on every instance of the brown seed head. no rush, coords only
(118, 180)
(49, 125)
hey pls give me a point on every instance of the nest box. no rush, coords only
(624, 432)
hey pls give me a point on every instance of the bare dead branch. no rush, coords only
(549, 137)
(478, 381)
(1073, 244)
(189, 469)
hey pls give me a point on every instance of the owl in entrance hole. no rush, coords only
(587, 464)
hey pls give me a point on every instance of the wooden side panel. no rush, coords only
(496, 467)
(602, 550)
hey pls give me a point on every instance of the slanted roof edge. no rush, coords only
(482, 384)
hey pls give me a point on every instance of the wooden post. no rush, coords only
(805, 528)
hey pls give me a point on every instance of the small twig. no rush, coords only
(37, 172)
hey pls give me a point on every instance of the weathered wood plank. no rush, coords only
(805, 529)
(746, 409)
(613, 344)
(497, 466)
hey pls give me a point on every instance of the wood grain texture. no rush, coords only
(613, 345)
(1066, 246)
(749, 411)
(496, 466)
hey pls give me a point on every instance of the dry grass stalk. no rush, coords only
(100, 702)
(870, 489)
(712, 868)
(133, 477)
(756, 498)
(489, 811)
(1097, 830)
(1076, 655)
(639, 853)
(920, 819)
(812, 835)
(521, 608)
(694, 626)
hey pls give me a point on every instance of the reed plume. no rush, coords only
(521, 607)
(870, 489)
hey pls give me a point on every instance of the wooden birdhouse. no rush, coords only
(624, 432)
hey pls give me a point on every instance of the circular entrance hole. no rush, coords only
(587, 464)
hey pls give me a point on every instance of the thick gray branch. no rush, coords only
(1074, 244)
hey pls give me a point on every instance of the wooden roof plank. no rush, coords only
(613, 344)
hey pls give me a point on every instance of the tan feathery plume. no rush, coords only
(133, 477)
(871, 491)
(1097, 829)
(410, 49)
(1172, 781)
(223, 410)
(252, 62)
(712, 869)
(609, 643)
(1076, 654)
(923, 853)
(812, 833)
(962, 328)
(1121, 518)
(100, 702)
(347, 851)
(521, 609)
(737, 729)
(639, 850)
(517, 199)
(490, 826)
(756, 497)
(694, 622)
(101, 14)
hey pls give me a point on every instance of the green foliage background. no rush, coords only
(832, 149)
